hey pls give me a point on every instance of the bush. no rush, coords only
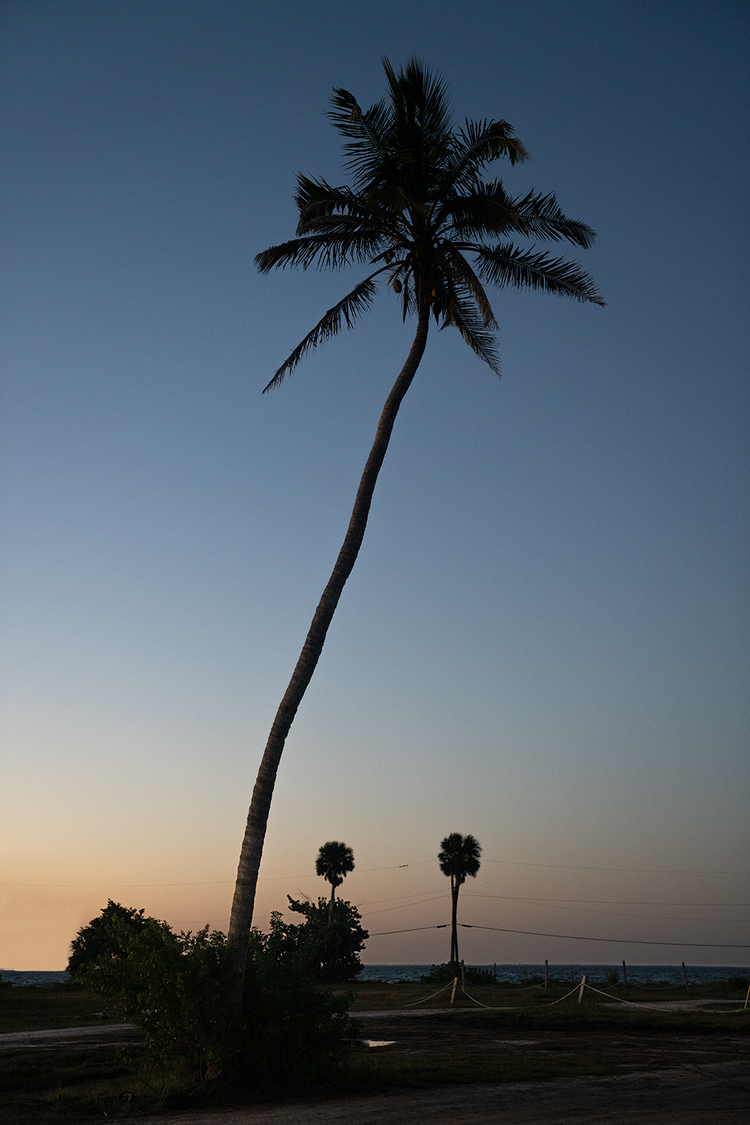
(295, 1031)
(443, 974)
(330, 938)
(173, 987)
(105, 938)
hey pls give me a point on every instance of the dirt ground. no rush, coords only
(690, 1092)
(717, 1094)
(706, 1080)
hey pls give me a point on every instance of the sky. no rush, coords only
(544, 642)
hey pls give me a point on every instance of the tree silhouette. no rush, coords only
(416, 209)
(334, 862)
(458, 857)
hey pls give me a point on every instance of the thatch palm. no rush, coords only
(334, 862)
(416, 207)
(458, 857)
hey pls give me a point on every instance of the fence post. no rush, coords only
(546, 975)
(455, 986)
(580, 990)
(625, 977)
(687, 982)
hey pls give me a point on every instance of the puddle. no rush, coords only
(378, 1042)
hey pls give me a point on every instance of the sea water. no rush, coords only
(522, 974)
(510, 974)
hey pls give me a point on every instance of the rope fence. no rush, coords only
(644, 1006)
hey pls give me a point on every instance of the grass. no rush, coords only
(62, 1005)
(527, 1040)
(381, 996)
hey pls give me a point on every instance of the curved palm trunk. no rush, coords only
(252, 844)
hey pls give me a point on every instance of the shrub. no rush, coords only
(173, 986)
(331, 937)
(105, 938)
(295, 1031)
(443, 974)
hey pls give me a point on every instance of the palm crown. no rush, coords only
(334, 861)
(416, 207)
(459, 857)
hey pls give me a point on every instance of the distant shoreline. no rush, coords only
(391, 973)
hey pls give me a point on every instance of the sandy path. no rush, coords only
(101, 1035)
(717, 1094)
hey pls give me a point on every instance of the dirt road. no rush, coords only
(717, 1094)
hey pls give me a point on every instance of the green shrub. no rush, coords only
(443, 974)
(295, 1031)
(292, 1032)
(171, 986)
(331, 938)
(105, 938)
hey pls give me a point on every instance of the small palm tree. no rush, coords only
(458, 857)
(334, 863)
(417, 210)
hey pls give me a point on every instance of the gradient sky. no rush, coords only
(545, 639)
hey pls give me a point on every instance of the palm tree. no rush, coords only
(416, 208)
(458, 857)
(334, 862)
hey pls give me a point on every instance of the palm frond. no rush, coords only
(331, 248)
(342, 314)
(475, 146)
(540, 216)
(484, 209)
(370, 156)
(463, 275)
(526, 269)
(462, 315)
(421, 110)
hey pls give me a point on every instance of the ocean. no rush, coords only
(521, 974)
(512, 974)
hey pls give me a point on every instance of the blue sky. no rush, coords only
(544, 641)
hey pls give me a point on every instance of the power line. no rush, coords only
(616, 941)
(622, 870)
(118, 886)
(601, 901)
(413, 930)
(416, 863)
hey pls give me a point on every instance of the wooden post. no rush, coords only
(687, 982)
(455, 986)
(580, 990)
(546, 975)
(463, 978)
(747, 996)
(625, 977)
(494, 971)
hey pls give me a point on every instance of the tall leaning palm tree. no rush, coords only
(458, 857)
(432, 231)
(334, 862)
